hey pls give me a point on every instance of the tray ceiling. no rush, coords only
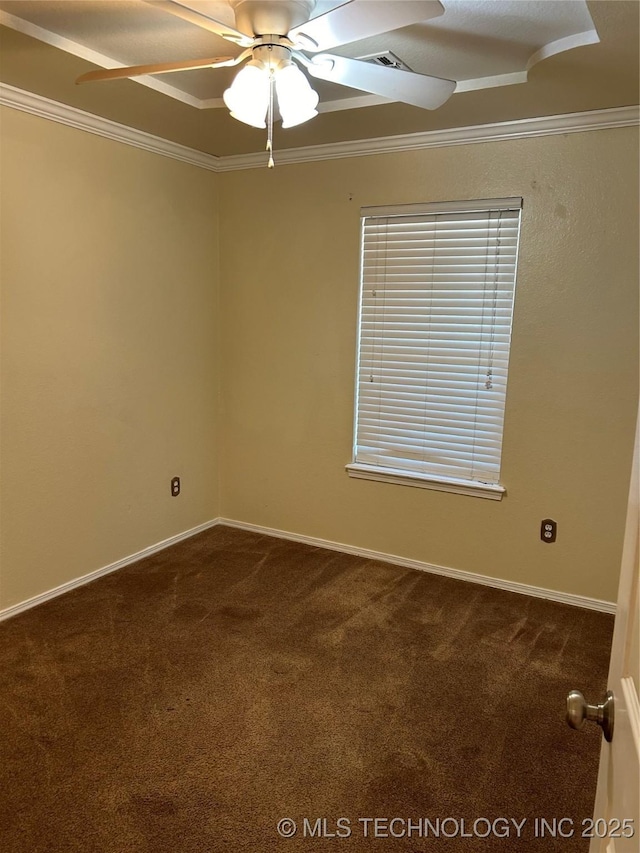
(511, 59)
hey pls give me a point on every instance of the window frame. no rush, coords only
(400, 476)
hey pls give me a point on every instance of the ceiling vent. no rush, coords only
(387, 59)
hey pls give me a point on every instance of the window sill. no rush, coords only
(441, 484)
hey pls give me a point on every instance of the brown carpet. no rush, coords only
(189, 702)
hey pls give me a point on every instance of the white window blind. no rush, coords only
(435, 325)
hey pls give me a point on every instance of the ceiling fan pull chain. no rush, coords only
(270, 164)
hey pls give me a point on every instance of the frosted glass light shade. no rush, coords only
(248, 96)
(296, 99)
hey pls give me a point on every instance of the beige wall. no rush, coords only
(112, 356)
(109, 351)
(289, 278)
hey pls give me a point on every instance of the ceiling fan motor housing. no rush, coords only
(272, 56)
(278, 35)
(257, 17)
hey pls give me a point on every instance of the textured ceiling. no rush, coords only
(510, 59)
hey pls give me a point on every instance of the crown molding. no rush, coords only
(498, 132)
(28, 102)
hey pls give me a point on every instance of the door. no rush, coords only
(617, 795)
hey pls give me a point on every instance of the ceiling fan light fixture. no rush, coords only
(297, 101)
(276, 34)
(248, 96)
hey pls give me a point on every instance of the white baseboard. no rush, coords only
(105, 570)
(458, 574)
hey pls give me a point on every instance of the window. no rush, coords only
(437, 289)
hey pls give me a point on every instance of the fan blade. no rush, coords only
(174, 7)
(393, 83)
(159, 68)
(359, 19)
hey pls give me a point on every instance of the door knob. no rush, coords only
(578, 711)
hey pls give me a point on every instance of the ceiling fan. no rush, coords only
(278, 35)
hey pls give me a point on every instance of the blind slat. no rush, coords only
(436, 307)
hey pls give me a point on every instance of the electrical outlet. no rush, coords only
(548, 530)
(175, 487)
